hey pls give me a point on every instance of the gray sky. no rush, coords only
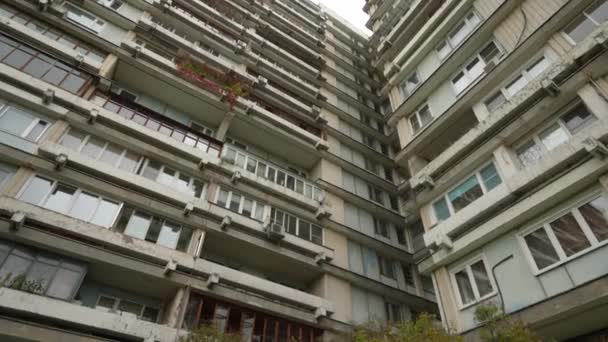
(351, 10)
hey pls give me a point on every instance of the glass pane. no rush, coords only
(475, 68)
(459, 33)
(138, 225)
(259, 212)
(129, 162)
(130, 307)
(317, 235)
(465, 193)
(490, 177)
(14, 266)
(73, 83)
(93, 147)
(197, 188)
(460, 82)
(570, 235)
(167, 176)
(443, 50)
(84, 206)
(538, 67)
(578, 118)
(36, 190)
(251, 163)
(529, 153)
(55, 75)
(490, 52)
(150, 315)
(304, 230)
(414, 122)
(425, 115)
(220, 318)
(60, 199)
(154, 230)
(516, 85)
(596, 215)
(480, 274)
(36, 131)
(73, 140)
(580, 29)
(291, 224)
(111, 154)
(442, 212)
(599, 11)
(247, 207)
(542, 250)
(37, 67)
(235, 202)
(106, 302)
(64, 284)
(280, 177)
(105, 214)
(152, 170)
(184, 239)
(222, 198)
(15, 121)
(553, 136)
(17, 59)
(464, 287)
(169, 235)
(182, 183)
(41, 274)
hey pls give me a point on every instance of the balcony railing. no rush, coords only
(273, 173)
(157, 122)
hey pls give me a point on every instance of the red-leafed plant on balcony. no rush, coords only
(229, 85)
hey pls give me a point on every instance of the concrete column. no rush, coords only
(175, 309)
(446, 299)
(109, 65)
(506, 162)
(416, 163)
(404, 132)
(220, 134)
(55, 132)
(17, 182)
(593, 100)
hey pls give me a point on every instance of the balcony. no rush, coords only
(269, 171)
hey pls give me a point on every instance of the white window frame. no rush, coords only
(74, 13)
(117, 301)
(586, 16)
(72, 201)
(298, 219)
(466, 266)
(10, 170)
(463, 69)
(522, 73)
(570, 207)
(241, 203)
(5, 105)
(405, 92)
(477, 174)
(535, 137)
(447, 41)
(416, 114)
(146, 161)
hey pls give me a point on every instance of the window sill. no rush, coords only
(477, 301)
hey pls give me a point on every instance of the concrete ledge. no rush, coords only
(65, 312)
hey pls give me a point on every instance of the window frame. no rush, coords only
(117, 301)
(447, 41)
(231, 192)
(72, 202)
(6, 105)
(416, 114)
(570, 207)
(557, 119)
(477, 55)
(466, 266)
(71, 13)
(587, 17)
(477, 174)
(298, 220)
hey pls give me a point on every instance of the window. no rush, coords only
(41, 66)
(58, 276)
(113, 4)
(173, 178)
(476, 67)
(103, 151)
(393, 312)
(241, 204)
(381, 228)
(472, 282)
(298, 227)
(84, 19)
(122, 305)
(427, 284)
(592, 17)
(144, 226)
(474, 187)
(572, 233)
(20, 122)
(59, 36)
(519, 82)
(70, 201)
(6, 172)
(408, 275)
(158, 123)
(458, 35)
(556, 134)
(292, 180)
(410, 84)
(387, 267)
(420, 118)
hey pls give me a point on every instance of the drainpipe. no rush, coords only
(502, 302)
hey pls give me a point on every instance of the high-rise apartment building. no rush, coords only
(501, 110)
(264, 167)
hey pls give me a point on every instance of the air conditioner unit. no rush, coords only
(275, 232)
